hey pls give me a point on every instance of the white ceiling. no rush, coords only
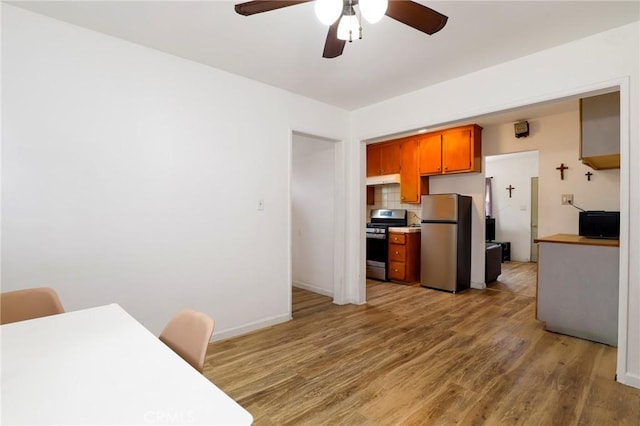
(283, 48)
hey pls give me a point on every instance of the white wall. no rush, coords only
(312, 218)
(513, 214)
(604, 60)
(116, 163)
(132, 176)
(557, 139)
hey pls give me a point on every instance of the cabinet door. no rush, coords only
(390, 158)
(397, 253)
(396, 238)
(457, 154)
(410, 189)
(397, 271)
(373, 160)
(600, 131)
(430, 154)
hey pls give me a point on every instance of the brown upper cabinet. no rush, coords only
(430, 154)
(384, 158)
(415, 158)
(456, 150)
(412, 185)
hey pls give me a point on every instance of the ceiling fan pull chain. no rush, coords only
(353, 13)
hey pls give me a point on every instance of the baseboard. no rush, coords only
(629, 379)
(244, 329)
(479, 286)
(312, 288)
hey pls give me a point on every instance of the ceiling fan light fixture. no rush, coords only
(328, 11)
(345, 24)
(349, 26)
(373, 10)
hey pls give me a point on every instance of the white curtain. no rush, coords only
(487, 197)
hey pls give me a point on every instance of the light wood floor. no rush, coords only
(414, 356)
(517, 277)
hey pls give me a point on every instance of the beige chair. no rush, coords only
(188, 334)
(27, 304)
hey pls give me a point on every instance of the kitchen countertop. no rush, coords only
(576, 239)
(405, 229)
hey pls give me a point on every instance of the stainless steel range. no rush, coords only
(378, 240)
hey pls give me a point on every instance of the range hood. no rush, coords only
(383, 179)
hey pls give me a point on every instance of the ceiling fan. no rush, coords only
(408, 12)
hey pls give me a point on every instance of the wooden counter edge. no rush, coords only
(576, 239)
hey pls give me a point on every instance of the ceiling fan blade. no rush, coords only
(259, 6)
(333, 46)
(416, 15)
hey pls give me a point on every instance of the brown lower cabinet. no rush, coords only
(404, 257)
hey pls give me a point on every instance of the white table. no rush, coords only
(101, 366)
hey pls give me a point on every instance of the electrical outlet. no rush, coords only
(567, 199)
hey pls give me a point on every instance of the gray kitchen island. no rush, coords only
(577, 289)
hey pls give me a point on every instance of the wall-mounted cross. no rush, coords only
(588, 175)
(562, 168)
(510, 188)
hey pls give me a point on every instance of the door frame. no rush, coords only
(339, 217)
(358, 281)
(533, 255)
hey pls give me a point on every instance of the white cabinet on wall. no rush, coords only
(600, 131)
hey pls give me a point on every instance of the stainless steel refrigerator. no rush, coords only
(445, 251)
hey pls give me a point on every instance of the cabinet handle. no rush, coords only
(397, 252)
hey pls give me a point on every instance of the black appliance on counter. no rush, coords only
(599, 224)
(377, 232)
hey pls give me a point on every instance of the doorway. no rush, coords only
(515, 210)
(534, 219)
(313, 200)
(512, 199)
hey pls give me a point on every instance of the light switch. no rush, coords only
(567, 199)
(260, 205)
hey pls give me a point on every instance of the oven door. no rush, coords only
(377, 253)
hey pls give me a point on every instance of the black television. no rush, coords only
(599, 224)
(490, 229)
